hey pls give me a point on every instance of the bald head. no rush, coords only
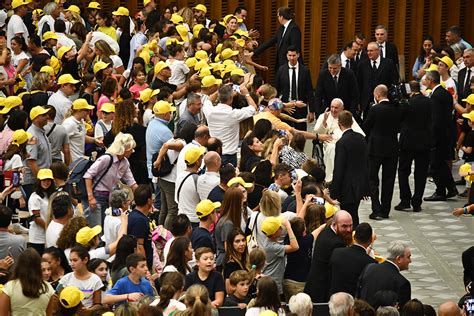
(449, 309)
(380, 92)
(342, 216)
(212, 160)
(373, 51)
(341, 304)
(202, 135)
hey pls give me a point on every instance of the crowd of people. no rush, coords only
(148, 169)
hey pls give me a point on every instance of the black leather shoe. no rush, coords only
(402, 207)
(375, 216)
(452, 193)
(435, 197)
(416, 209)
(460, 182)
(463, 195)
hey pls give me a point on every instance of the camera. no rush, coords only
(281, 133)
(469, 305)
(399, 93)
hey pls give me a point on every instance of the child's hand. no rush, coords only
(134, 297)
(242, 305)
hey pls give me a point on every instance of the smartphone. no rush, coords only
(294, 176)
(469, 306)
(318, 200)
(16, 179)
(273, 187)
(236, 88)
(281, 133)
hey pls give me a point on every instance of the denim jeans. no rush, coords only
(96, 216)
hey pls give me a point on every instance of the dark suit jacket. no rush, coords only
(347, 90)
(386, 74)
(442, 123)
(317, 284)
(305, 88)
(384, 277)
(351, 176)
(415, 130)
(391, 52)
(382, 125)
(292, 37)
(462, 93)
(344, 276)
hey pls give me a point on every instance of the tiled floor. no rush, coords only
(437, 240)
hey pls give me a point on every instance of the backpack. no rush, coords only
(76, 176)
(166, 165)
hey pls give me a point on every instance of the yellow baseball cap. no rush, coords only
(100, 65)
(201, 7)
(432, 67)
(67, 78)
(219, 48)
(147, 94)
(172, 40)
(201, 64)
(121, 11)
(85, 234)
(268, 313)
(38, 12)
(228, 53)
(448, 61)
(205, 72)
(192, 154)
(163, 107)
(50, 35)
(228, 69)
(73, 8)
(217, 66)
(55, 64)
(160, 66)
(240, 42)
(19, 3)
(63, 50)
(47, 69)
(201, 55)
(20, 137)
(206, 207)
(469, 99)
(94, 5)
(196, 29)
(44, 174)
(239, 180)
(70, 296)
(209, 81)
(330, 210)
(271, 225)
(176, 18)
(469, 116)
(81, 104)
(191, 62)
(108, 108)
(10, 103)
(238, 72)
(146, 2)
(37, 111)
(183, 32)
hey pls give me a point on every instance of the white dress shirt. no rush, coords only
(290, 74)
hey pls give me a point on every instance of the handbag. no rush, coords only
(252, 242)
(165, 167)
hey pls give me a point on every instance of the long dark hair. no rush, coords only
(231, 254)
(176, 255)
(13, 150)
(59, 255)
(267, 295)
(42, 192)
(422, 55)
(171, 282)
(246, 153)
(21, 41)
(28, 272)
(126, 246)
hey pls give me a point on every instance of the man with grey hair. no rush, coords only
(191, 113)
(386, 276)
(465, 74)
(387, 49)
(327, 124)
(341, 304)
(336, 82)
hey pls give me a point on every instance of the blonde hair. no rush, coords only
(267, 91)
(197, 300)
(188, 16)
(270, 203)
(122, 142)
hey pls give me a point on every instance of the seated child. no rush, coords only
(239, 281)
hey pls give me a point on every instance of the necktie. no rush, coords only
(467, 85)
(381, 50)
(374, 66)
(293, 85)
(335, 80)
(348, 64)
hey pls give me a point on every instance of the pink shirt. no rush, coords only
(120, 169)
(5, 139)
(136, 89)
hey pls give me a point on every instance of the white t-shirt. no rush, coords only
(116, 60)
(17, 58)
(111, 228)
(173, 305)
(181, 164)
(166, 249)
(173, 155)
(76, 131)
(179, 70)
(37, 234)
(147, 116)
(16, 26)
(14, 163)
(207, 182)
(98, 129)
(52, 233)
(61, 103)
(88, 287)
(188, 197)
(261, 238)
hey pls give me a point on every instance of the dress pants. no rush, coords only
(422, 160)
(169, 207)
(381, 204)
(353, 209)
(442, 176)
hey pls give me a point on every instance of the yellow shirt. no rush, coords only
(276, 122)
(109, 30)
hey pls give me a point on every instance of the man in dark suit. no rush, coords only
(415, 145)
(372, 72)
(293, 83)
(344, 276)
(350, 178)
(361, 53)
(386, 276)
(465, 74)
(382, 125)
(387, 49)
(343, 87)
(288, 34)
(442, 141)
(338, 235)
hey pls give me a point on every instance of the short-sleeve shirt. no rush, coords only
(52, 233)
(76, 131)
(126, 286)
(223, 228)
(298, 263)
(41, 152)
(214, 283)
(58, 138)
(216, 194)
(16, 26)
(22, 305)
(101, 129)
(207, 182)
(37, 234)
(230, 267)
(179, 70)
(201, 237)
(275, 265)
(139, 226)
(88, 287)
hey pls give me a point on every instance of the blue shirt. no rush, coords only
(157, 134)
(126, 286)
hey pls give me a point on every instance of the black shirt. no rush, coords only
(216, 194)
(230, 267)
(298, 263)
(158, 84)
(214, 283)
(469, 142)
(202, 238)
(233, 300)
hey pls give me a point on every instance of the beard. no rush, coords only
(345, 236)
